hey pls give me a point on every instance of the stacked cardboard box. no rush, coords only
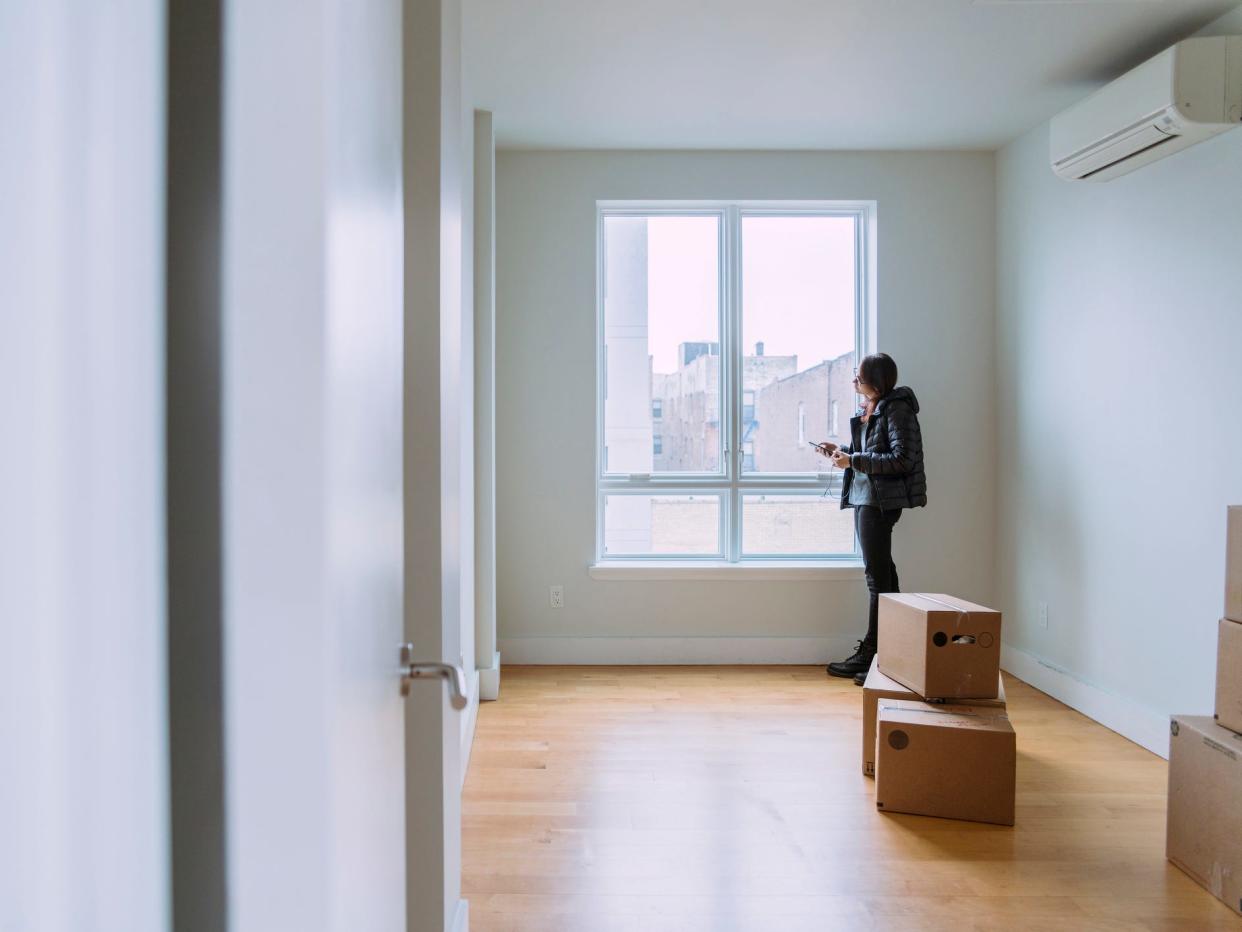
(952, 761)
(1229, 634)
(1205, 805)
(1233, 564)
(878, 686)
(1229, 674)
(1205, 758)
(939, 739)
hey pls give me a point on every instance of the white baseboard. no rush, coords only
(1130, 720)
(489, 680)
(461, 918)
(1140, 725)
(471, 711)
(674, 650)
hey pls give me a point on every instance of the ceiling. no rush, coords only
(801, 74)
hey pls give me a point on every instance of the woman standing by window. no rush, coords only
(883, 466)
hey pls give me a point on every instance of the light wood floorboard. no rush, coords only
(725, 799)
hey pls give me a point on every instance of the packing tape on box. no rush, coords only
(961, 612)
(969, 713)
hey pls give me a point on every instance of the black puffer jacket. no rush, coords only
(893, 460)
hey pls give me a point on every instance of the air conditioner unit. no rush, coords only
(1186, 94)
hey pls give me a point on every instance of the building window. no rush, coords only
(711, 306)
(834, 426)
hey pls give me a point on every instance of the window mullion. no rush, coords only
(733, 305)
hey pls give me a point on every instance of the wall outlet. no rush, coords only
(1043, 615)
(556, 596)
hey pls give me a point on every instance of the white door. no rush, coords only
(83, 804)
(339, 476)
(312, 466)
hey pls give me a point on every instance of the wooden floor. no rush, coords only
(731, 798)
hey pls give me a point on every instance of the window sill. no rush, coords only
(653, 569)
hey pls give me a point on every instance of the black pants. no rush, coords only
(875, 536)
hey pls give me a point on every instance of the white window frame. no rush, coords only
(731, 481)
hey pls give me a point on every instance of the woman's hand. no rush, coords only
(841, 460)
(826, 448)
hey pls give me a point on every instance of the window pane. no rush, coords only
(662, 344)
(798, 339)
(636, 525)
(796, 525)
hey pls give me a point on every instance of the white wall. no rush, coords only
(1118, 336)
(84, 825)
(936, 290)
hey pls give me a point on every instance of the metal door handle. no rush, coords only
(450, 673)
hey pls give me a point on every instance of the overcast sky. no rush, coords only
(797, 286)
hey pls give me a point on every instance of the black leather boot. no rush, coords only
(860, 662)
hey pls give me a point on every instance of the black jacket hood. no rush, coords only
(902, 393)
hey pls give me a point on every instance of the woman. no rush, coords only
(883, 466)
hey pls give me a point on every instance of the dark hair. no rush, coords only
(879, 371)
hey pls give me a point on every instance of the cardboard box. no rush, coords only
(1229, 675)
(1233, 563)
(1205, 806)
(879, 686)
(940, 646)
(951, 761)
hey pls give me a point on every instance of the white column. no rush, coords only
(487, 658)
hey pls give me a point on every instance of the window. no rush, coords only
(652, 524)
(725, 329)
